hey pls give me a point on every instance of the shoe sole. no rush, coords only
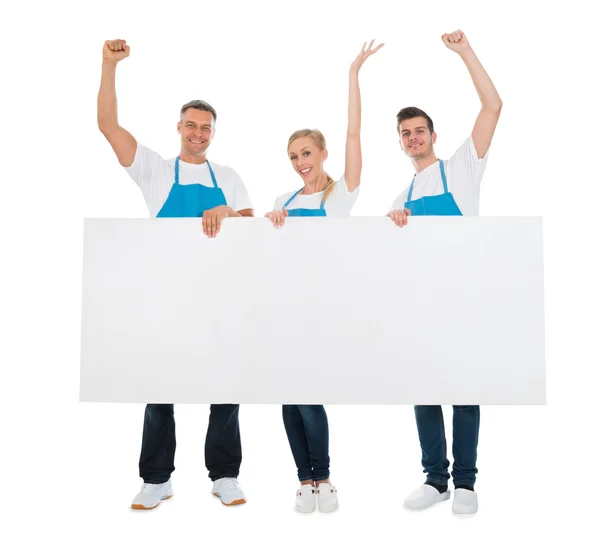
(142, 507)
(443, 497)
(233, 503)
(328, 510)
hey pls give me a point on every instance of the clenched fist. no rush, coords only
(456, 41)
(115, 51)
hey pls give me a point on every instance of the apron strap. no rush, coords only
(321, 207)
(212, 175)
(409, 197)
(444, 181)
(443, 174)
(293, 196)
(177, 171)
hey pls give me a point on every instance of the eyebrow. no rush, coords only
(418, 127)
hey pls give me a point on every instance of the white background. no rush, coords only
(70, 470)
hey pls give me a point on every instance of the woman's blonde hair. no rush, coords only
(319, 140)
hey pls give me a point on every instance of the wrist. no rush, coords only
(109, 65)
(467, 53)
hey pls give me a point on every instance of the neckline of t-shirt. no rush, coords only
(429, 168)
(309, 195)
(181, 162)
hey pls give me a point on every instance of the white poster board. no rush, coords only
(446, 310)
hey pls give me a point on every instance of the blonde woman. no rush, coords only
(320, 196)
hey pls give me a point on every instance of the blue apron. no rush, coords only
(192, 200)
(304, 212)
(442, 204)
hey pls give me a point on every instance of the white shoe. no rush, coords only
(327, 497)
(151, 494)
(424, 497)
(229, 491)
(306, 499)
(465, 501)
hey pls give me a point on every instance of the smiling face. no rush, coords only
(415, 138)
(197, 128)
(307, 158)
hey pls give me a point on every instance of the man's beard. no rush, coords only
(425, 152)
(195, 151)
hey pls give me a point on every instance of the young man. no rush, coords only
(447, 188)
(187, 186)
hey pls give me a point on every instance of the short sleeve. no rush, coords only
(241, 198)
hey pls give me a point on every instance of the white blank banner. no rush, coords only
(446, 310)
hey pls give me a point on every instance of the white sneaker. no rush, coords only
(151, 494)
(306, 499)
(424, 497)
(465, 501)
(229, 491)
(327, 497)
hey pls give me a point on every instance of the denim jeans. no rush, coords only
(222, 449)
(308, 433)
(465, 426)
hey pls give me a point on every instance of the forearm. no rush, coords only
(353, 165)
(354, 112)
(107, 98)
(488, 95)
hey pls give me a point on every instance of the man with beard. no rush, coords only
(449, 187)
(186, 186)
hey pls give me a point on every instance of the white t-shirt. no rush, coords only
(155, 176)
(464, 171)
(339, 203)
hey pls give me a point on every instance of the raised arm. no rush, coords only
(122, 142)
(491, 104)
(353, 166)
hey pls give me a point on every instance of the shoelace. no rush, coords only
(229, 483)
(148, 487)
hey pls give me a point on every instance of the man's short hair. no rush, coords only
(199, 105)
(413, 112)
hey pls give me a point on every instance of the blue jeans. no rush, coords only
(308, 433)
(465, 426)
(222, 449)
